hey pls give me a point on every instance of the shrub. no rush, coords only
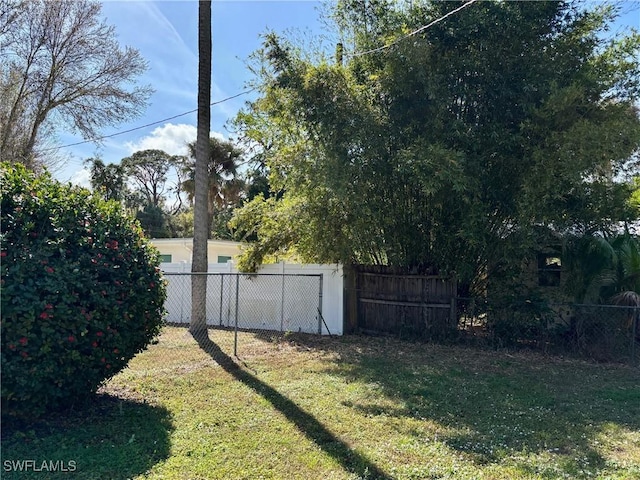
(520, 320)
(81, 291)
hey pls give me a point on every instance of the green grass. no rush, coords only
(343, 408)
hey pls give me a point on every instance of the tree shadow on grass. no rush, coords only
(106, 438)
(312, 428)
(492, 406)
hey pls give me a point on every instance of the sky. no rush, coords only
(166, 34)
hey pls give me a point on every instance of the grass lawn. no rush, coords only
(307, 407)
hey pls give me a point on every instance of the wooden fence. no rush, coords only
(392, 300)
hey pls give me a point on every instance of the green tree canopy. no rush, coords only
(225, 187)
(148, 169)
(143, 185)
(447, 146)
(108, 180)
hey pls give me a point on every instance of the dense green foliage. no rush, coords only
(81, 292)
(159, 188)
(603, 270)
(449, 146)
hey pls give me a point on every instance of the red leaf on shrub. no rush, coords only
(108, 366)
(44, 315)
(99, 334)
(24, 354)
(94, 344)
(12, 346)
(48, 306)
(23, 341)
(49, 270)
(3, 254)
(71, 338)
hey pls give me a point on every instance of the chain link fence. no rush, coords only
(595, 332)
(246, 308)
(249, 312)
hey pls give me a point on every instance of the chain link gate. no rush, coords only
(264, 304)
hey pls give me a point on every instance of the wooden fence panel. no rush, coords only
(388, 300)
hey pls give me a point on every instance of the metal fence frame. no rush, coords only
(238, 295)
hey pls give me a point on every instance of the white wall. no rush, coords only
(180, 249)
(261, 304)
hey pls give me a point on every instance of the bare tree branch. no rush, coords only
(62, 68)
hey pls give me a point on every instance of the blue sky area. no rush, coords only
(165, 33)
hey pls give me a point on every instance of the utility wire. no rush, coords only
(146, 125)
(415, 32)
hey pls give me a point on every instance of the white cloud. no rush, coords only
(170, 138)
(81, 178)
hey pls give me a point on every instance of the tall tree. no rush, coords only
(149, 169)
(62, 67)
(198, 326)
(447, 147)
(141, 183)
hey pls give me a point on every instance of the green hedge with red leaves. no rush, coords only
(81, 292)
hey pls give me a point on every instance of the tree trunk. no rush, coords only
(198, 327)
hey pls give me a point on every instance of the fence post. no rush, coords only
(221, 288)
(634, 332)
(282, 300)
(320, 305)
(235, 332)
(453, 314)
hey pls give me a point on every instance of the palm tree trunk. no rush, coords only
(198, 327)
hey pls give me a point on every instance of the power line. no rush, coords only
(415, 32)
(146, 125)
